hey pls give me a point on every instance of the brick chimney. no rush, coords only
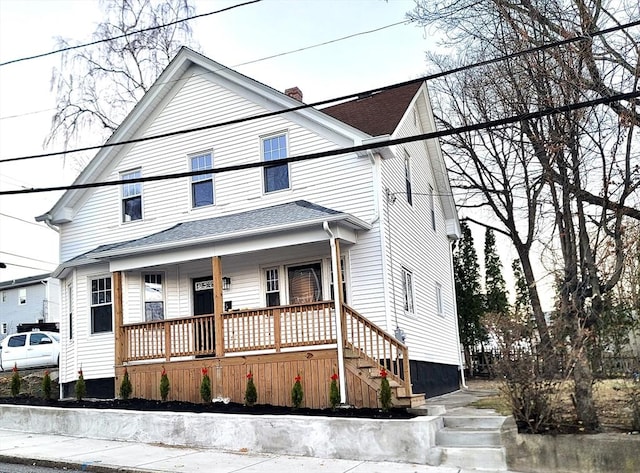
(294, 93)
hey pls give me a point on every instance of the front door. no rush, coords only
(203, 305)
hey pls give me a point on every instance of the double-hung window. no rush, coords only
(407, 290)
(101, 305)
(276, 177)
(439, 306)
(153, 297)
(407, 177)
(273, 287)
(131, 196)
(202, 184)
(22, 296)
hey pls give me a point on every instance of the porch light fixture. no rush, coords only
(226, 283)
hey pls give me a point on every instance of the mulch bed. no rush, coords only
(212, 407)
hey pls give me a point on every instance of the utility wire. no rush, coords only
(253, 61)
(27, 257)
(24, 221)
(353, 149)
(143, 30)
(332, 100)
(28, 267)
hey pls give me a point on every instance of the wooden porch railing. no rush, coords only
(372, 343)
(261, 329)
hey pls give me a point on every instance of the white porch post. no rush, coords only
(337, 299)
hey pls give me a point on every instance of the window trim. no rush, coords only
(439, 300)
(162, 294)
(432, 208)
(263, 138)
(408, 289)
(408, 184)
(211, 178)
(130, 197)
(90, 280)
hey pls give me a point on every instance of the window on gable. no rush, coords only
(276, 177)
(131, 197)
(22, 296)
(439, 306)
(153, 297)
(202, 184)
(407, 290)
(407, 177)
(101, 305)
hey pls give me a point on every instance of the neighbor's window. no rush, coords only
(101, 305)
(439, 307)
(273, 287)
(3, 328)
(131, 197)
(407, 290)
(276, 177)
(202, 184)
(407, 177)
(22, 296)
(153, 297)
(3, 296)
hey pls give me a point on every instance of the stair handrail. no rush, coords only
(401, 348)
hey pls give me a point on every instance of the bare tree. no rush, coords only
(97, 86)
(571, 178)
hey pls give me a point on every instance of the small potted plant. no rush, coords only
(296, 393)
(334, 392)
(205, 386)
(125, 387)
(164, 385)
(250, 394)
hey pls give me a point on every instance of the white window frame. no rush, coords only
(432, 208)
(22, 296)
(408, 185)
(439, 302)
(125, 195)
(201, 178)
(408, 291)
(264, 168)
(161, 293)
(269, 281)
(70, 309)
(90, 292)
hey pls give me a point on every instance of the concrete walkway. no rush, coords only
(112, 455)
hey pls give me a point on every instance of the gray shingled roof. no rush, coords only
(266, 219)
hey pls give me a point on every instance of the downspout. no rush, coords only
(338, 309)
(455, 316)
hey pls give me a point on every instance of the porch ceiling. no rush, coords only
(281, 225)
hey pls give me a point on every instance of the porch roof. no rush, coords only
(290, 216)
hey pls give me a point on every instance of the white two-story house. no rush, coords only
(233, 264)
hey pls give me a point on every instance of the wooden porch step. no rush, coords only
(413, 401)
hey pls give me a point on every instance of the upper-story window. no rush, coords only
(202, 184)
(439, 304)
(432, 208)
(22, 296)
(131, 196)
(276, 177)
(407, 177)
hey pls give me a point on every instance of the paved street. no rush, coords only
(17, 468)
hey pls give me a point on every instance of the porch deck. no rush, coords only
(276, 344)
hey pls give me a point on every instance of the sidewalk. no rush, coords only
(108, 456)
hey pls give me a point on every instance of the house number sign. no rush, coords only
(204, 285)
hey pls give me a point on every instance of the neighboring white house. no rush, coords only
(29, 301)
(272, 227)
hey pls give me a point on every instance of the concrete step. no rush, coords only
(458, 437)
(487, 458)
(474, 422)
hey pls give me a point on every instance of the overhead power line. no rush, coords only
(353, 149)
(113, 38)
(328, 101)
(27, 257)
(24, 221)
